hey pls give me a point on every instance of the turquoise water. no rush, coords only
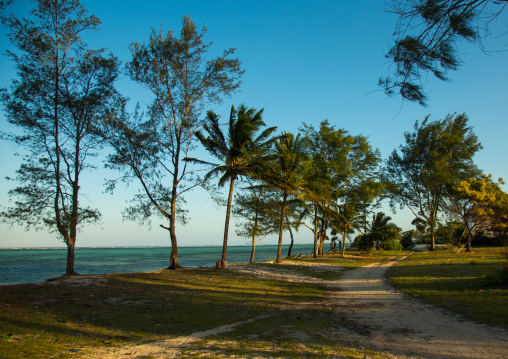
(36, 265)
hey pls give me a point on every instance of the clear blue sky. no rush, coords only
(305, 61)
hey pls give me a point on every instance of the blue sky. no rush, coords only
(305, 61)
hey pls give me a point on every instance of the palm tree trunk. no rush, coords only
(314, 253)
(343, 244)
(292, 238)
(226, 226)
(282, 215)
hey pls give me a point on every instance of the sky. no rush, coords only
(305, 61)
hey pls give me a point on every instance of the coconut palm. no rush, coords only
(287, 173)
(241, 151)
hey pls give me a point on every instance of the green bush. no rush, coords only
(407, 240)
(392, 245)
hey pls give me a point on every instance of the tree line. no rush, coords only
(66, 110)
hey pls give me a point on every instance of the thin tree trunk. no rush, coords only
(254, 237)
(253, 249)
(432, 238)
(226, 226)
(292, 238)
(314, 253)
(343, 243)
(282, 215)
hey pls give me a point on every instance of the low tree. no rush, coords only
(63, 91)
(436, 156)
(427, 37)
(241, 152)
(152, 150)
(491, 203)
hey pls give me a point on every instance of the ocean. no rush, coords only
(36, 265)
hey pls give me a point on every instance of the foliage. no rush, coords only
(182, 82)
(242, 152)
(62, 92)
(436, 156)
(345, 180)
(426, 39)
(381, 233)
(490, 204)
(286, 173)
(407, 240)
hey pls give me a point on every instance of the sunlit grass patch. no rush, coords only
(456, 281)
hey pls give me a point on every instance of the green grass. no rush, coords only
(295, 333)
(63, 320)
(456, 281)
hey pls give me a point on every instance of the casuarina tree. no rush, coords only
(151, 149)
(434, 158)
(57, 103)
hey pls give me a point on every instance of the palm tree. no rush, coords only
(241, 151)
(286, 173)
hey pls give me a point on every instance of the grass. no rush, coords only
(295, 333)
(63, 320)
(456, 281)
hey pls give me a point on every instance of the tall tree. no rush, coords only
(436, 156)
(286, 173)
(241, 152)
(427, 37)
(175, 71)
(62, 93)
(348, 164)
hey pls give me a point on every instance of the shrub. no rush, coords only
(392, 245)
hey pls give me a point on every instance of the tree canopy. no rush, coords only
(436, 156)
(427, 39)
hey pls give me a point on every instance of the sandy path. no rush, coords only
(383, 319)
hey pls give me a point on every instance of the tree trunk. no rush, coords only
(292, 239)
(343, 243)
(314, 252)
(253, 249)
(173, 259)
(226, 226)
(432, 238)
(282, 215)
(70, 257)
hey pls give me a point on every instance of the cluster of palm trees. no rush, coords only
(292, 165)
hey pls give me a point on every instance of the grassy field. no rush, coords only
(67, 318)
(63, 319)
(457, 281)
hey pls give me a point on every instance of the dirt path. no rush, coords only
(383, 319)
(372, 315)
